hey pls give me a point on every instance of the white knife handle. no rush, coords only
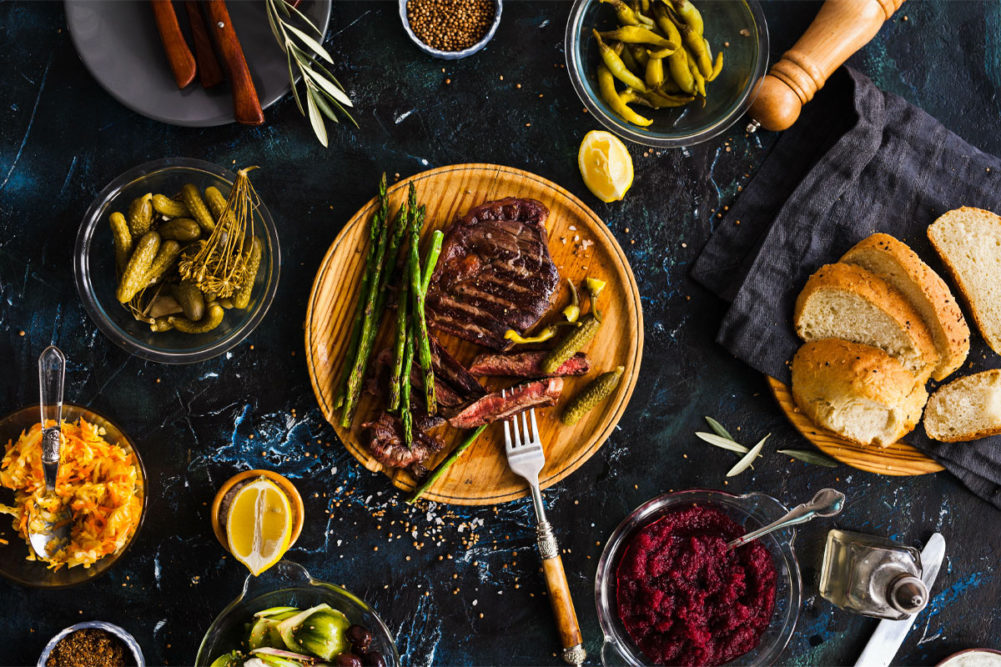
(889, 635)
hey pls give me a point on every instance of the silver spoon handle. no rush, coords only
(799, 514)
(826, 502)
(51, 380)
(51, 377)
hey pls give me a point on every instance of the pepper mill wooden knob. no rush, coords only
(841, 28)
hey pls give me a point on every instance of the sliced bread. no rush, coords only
(897, 264)
(858, 391)
(969, 242)
(849, 302)
(965, 409)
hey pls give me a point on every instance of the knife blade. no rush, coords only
(889, 635)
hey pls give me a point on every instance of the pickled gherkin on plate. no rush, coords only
(182, 259)
(659, 53)
(598, 390)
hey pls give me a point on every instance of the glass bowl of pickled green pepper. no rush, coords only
(98, 270)
(612, 46)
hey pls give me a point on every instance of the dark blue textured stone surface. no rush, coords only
(472, 594)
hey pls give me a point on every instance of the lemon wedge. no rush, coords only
(259, 525)
(605, 165)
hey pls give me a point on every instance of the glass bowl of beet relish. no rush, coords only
(669, 592)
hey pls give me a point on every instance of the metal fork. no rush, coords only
(526, 458)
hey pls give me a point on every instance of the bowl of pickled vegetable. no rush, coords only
(666, 73)
(101, 479)
(286, 618)
(177, 260)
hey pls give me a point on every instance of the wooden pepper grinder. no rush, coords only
(841, 28)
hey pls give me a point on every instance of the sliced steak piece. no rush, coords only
(526, 365)
(448, 370)
(495, 273)
(449, 401)
(377, 382)
(385, 442)
(377, 385)
(494, 407)
(454, 386)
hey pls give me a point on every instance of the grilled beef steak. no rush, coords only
(526, 365)
(377, 384)
(494, 407)
(448, 370)
(385, 442)
(494, 273)
(454, 386)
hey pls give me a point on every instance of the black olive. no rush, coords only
(347, 660)
(360, 638)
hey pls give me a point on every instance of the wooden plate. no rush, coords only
(899, 459)
(481, 475)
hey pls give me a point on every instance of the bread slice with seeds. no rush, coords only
(848, 302)
(893, 261)
(969, 242)
(858, 391)
(965, 409)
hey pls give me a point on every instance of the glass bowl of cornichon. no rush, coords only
(666, 73)
(177, 260)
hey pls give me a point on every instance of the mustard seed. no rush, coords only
(450, 25)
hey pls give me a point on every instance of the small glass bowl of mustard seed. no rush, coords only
(450, 29)
(92, 644)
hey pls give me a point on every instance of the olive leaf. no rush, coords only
(310, 42)
(315, 119)
(719, 429)
(816, 458)
(745, 463)
(722, 442)
(325, 96)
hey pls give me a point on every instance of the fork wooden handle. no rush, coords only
(559, 597)
(246, 106)
(209, 71)
(182, 63)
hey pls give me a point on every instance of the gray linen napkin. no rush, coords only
(858, 161)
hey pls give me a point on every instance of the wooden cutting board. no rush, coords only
(899, 459)
(581, 245)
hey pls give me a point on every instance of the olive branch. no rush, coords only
(324, 93)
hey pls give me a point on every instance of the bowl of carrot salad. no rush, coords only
(101, 481)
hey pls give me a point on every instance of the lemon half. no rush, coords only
(605, 165)
(259, 525)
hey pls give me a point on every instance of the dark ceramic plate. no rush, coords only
(119, 44)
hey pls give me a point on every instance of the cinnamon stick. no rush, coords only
(182, 63)
(209, 71)
(246, 107)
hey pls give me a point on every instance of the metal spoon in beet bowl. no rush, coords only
(826, 502)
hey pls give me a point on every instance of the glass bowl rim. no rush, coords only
(124, 635)
(450, 55)
(310, 584)
(115, 557)
(82, 273)
(640, 136)
(604, 577)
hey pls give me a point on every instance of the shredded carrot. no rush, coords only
(97, 480)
